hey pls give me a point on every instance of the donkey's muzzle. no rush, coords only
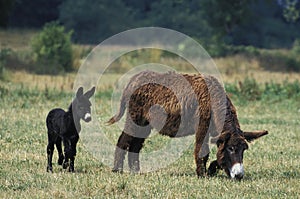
(237, 171)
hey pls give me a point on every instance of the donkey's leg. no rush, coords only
(201, 151)
(59, 150)
(141, 132)
(133, 155)
(213, 167)
(50, 149)
(122, 145)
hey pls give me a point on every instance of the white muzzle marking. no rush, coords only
(87, 116)
(237, 170)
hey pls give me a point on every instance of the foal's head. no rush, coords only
(231, 147)
(81, 105)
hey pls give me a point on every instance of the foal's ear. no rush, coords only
(250, 136)
(79, 92)
(90, 93)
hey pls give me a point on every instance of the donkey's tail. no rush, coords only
(119, 115)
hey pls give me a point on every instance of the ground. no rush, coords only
(272, 163)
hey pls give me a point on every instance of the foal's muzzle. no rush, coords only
(87, 117)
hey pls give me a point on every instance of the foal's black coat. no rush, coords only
(65, 127)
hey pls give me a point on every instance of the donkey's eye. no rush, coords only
(230, 149)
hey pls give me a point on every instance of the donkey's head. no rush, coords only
(231, 147)
(81, 105)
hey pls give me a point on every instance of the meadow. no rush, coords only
(272, 163)
(265, 99)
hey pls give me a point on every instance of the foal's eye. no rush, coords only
(81, 107)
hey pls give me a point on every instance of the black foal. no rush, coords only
(65, 127)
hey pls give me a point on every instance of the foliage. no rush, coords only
(52, 49)
(265, 27)
(225, 15)
(33, 13)
(5, 9)
(296, 48)
(215, 23)
(93, 21)
(4, 53)
(250, 90)
(290, 11)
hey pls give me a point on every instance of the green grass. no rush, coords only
(272, 164)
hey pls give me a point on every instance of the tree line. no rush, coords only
(259, 23)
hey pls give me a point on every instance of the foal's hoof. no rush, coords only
(202, 175)
(117, 170)
(49, 169)
(60, 160)
(71, 170)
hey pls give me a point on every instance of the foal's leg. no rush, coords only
(122, 145)
(70, 152)
(50, 149)
(59, 150)
(73, 153)
(67, 149)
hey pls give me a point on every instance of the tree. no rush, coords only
(224, 16)
(5, 10)
(94, 20)
(33, 13)
(290, 11)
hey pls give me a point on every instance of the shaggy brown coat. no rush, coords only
(178, 105)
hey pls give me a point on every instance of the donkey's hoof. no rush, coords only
(213, 168)
(134, 171)
(65, 165)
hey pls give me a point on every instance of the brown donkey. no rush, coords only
(192, 104)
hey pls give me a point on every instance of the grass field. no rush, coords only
(272, 164)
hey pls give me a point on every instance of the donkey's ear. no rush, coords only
(250, 136)
(223, 138)
(79, 92)
(90, 93)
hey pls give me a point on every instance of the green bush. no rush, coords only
(4, 53)
(296, 47)
(250, 90)
(52, 49)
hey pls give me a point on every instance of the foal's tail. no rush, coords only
(119, 115)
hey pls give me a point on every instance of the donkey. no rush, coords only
(143, 93)
(65, 127)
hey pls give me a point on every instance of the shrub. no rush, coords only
(296, 47)
(52, 49)
(249, 89)
(4, 53)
